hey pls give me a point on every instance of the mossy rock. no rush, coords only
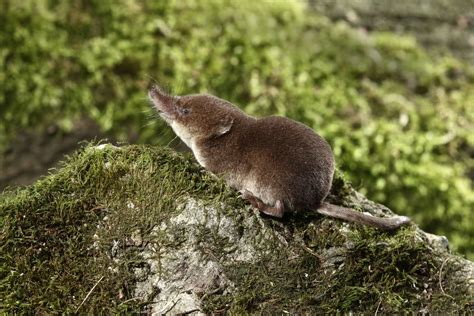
(137, 228)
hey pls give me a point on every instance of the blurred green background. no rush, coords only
(400, 119)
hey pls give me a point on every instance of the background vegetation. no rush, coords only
(399, 120)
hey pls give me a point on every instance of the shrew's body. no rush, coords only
(274, 159)
(278, 164)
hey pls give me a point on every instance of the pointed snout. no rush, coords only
(156, 92)
(157, 95)
(162, 101)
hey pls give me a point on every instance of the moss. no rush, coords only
(87, 225)
(58, 234)
(388, 273)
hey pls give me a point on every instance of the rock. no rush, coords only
(166, 237)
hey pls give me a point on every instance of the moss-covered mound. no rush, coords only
(140, 228)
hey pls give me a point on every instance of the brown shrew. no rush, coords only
(279, 165)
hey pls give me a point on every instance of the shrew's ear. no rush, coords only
(225, 124)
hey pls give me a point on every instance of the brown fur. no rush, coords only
(279, 164)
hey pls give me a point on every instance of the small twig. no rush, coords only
(171, 141)
(440, 275)
(131, 299)
(378, 306)
(440, 278)
(311, 252)
(170, 308)
(216, 290)
(88, 294)
(98, 207)
(190, 311)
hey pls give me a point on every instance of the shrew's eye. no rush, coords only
(184, 111)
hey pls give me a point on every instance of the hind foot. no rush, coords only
(276, 211)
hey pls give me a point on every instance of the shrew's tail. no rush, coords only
(385, 223)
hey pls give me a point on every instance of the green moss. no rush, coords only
(391, 273)
(74, 230)
(57, 234)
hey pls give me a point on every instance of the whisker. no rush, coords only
(148, 124)
(151, 113)
(152, 78)
(148, 110)
(153, 118)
